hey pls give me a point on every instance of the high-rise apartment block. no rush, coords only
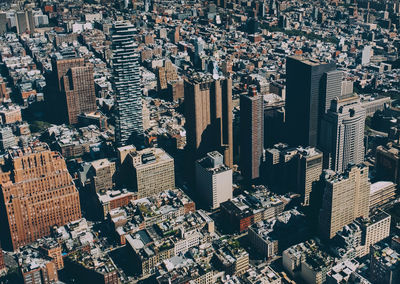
(3, 23)
(208, 109)
(125, 63)
(7, 138)
(251, 133)
(101, 175)
(25, 21)
(342, 133)
(152, 171)
(70, 88)
(37, 193)
(346, 197)
(305, 99)
(213, 180)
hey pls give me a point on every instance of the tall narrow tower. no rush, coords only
(304, 98)
(125, 63)
(251, 133)
(208, 112)
(342, 133)
(70, 90)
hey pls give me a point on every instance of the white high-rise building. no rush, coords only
(366, 55)
(342, 133)
(125, 63)
(213, 180)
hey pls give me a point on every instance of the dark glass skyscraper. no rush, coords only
(304, 99)
(125, 61)
(251, 133)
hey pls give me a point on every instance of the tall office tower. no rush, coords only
(342, 133)
(309, 172)
(208, 109)
(331, 88)
(213, 180)
(125, 63)
(304, 99)
(346, 197)
(25, 22)
(251, 133)
(3, 23)
(37, 192)
(70, 88)
(274, 119)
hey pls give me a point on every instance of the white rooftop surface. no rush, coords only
(379, 186)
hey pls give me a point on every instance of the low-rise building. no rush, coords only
(382, 192)
(251, 207)
(280, 232)
(307, 261)
(265, 275)
(384, 265)
(112, 199)
(231, 258)
(11, 114)
(37, 268)
(345, 272)
(91, 267)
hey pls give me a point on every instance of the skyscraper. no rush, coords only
(37, 192)
(125, 63)
(3, 23)
(208, 112)
(342, 133)
(309, 172)
(70, 88)
(251, 133)
(332, 88)
(304, 98)
(346, 197)
(24, 21)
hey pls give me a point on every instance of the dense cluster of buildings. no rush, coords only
(223, 141)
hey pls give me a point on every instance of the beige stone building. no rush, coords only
(346, 197)
(101, 175)
(151, 171)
